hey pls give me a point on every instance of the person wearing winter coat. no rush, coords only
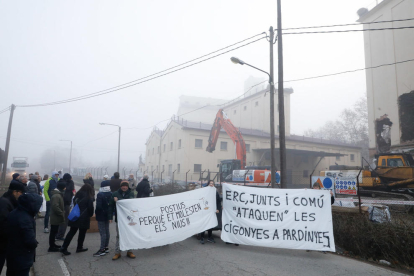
(67, 200)
(8, 202)
(31, 186)
(84, 199)
(89, 180)
(57, 214)
(143, 187)
(123, 193)
(21, 230)
(102, 205)
(50, 185)
(115, 182)
(218, 208)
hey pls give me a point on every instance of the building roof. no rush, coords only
(378, 5)
(259, 133)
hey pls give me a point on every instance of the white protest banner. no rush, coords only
(155, 221)
(282, 218)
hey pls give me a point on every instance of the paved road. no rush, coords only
(191, 258)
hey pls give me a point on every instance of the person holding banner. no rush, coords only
(316, 186)
(123, 193)
(218, 207)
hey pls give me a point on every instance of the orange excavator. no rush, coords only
(222, 121)
(235, 170)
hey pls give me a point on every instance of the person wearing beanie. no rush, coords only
(67, 200)
(57, 214)
(101, 211)
(8, 202)
(124, 192)
(50, 185)
(106, 181)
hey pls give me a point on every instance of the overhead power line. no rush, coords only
(5, 110)
(157, 75)
(350, 24)
(348, 31)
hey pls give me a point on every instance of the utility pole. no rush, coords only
(119, 146)
(272, 112)
(282, 142)
(6, 150)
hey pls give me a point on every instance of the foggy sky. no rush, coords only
(54, 50)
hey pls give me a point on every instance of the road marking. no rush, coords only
(64, 268)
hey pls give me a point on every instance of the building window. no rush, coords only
(146, 170)
(158, 149)
(178, 168)
(164, 147)
(245, 108)
(152, 151)
(338, 158)
(278, 129)
(352, 157)
(170, 169)
(234, 111)
(256, 103)
(199, 143)
(247, 147)
(197, 168)
(179, 144)
(305, 173)
(148, 152)
(223, 145)
(171, 146)
(305, 158)
(162, 168)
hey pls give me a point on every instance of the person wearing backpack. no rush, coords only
(57, 214)
(84, 199)
(102, 205)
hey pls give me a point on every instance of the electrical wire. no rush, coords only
(351, 24)
(98, 138)
(129, 84)
(348, 31)
(5, 110)
(351, 71)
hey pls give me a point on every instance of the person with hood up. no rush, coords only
(31, 186)
(84, 199)
(67, 200)
(123, 193)
(8, 202)
(15, 178)
(102, 205)
(131, 180)
(143, 187)
(105, 181)
(57, 214)
(115, 182)
(50, 185)
(21, 230)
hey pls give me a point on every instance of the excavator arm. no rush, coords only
(222, 121)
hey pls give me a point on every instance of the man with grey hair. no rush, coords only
(143, 187)
(23, 180)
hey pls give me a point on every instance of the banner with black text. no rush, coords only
(155, 221)
(282, 218)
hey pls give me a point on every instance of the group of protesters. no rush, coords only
(20, 205)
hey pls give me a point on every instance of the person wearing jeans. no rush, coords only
(102, 205)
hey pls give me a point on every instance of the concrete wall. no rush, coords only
(386, 84)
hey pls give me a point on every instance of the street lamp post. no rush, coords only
(70, 155)
(272, 105)
(119, 140)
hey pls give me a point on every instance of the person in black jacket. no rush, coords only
(143, 187)
(67, 200)
(115, 182)
(84, 199)
(21, 230)
(8, 202)
(102, 205)
(218, 207)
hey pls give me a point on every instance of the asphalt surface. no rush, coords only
(189, 257)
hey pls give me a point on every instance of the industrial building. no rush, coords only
(179, 151)
(390, 82)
